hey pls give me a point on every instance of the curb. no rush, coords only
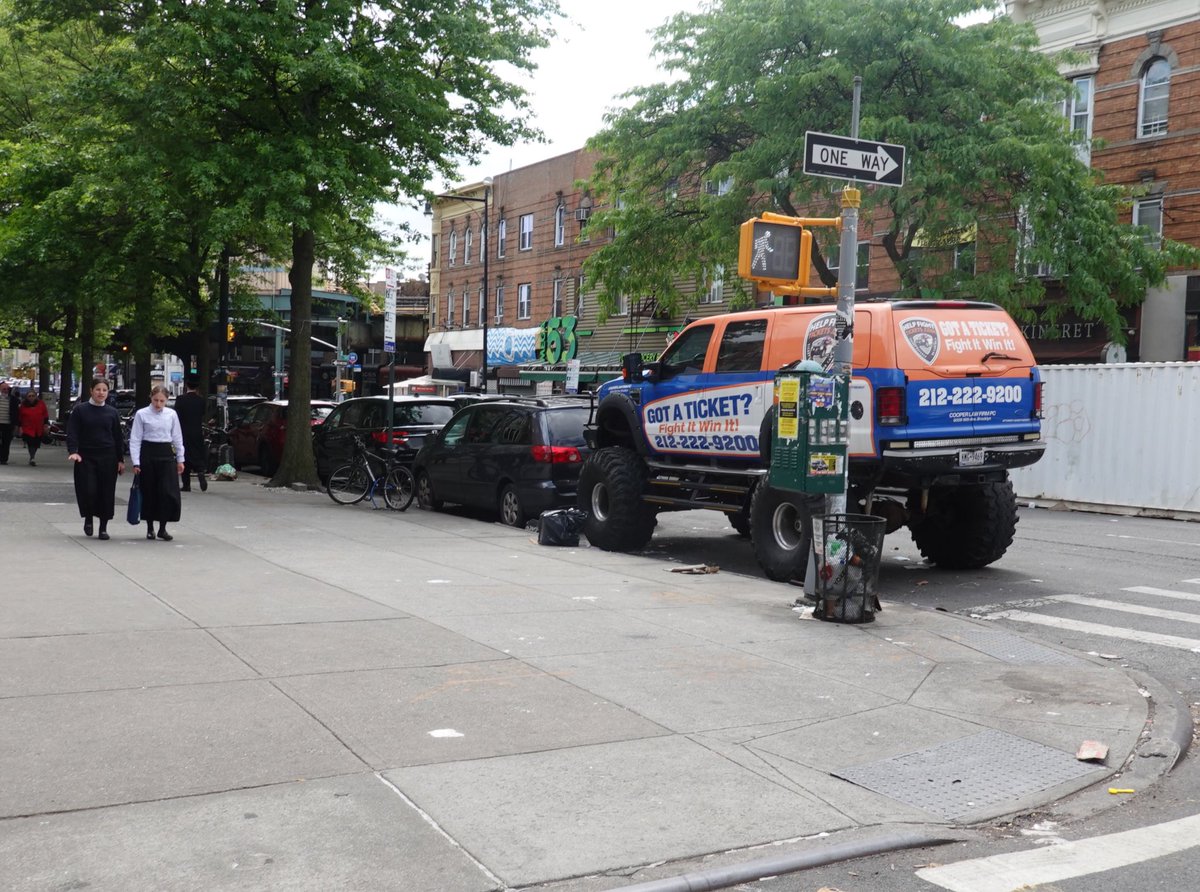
(752, 871)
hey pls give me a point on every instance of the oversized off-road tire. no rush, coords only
(611, 484)
(966, 527)
(780, 531)
(741, 522)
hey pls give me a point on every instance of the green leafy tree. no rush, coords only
(990, 158)
(320, 110)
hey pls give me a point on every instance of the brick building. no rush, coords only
(1138, 91)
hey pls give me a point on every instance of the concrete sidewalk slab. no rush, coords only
(536, 817)
(351, 832)
(224, 703)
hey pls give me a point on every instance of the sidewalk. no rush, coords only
(298, 695)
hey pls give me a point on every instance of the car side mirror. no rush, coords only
(631, 366)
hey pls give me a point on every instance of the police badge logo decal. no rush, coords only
(922, 336)
(820, 339)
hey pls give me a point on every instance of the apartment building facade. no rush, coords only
(1138, 93)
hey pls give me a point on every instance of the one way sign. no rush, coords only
(843, 158)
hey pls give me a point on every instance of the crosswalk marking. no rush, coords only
(1156, 612)
(1075, 625)
(1163, 592)
(1033, 868)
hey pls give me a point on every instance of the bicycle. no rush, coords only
(353, 482)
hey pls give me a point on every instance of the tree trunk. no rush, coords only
(67, 365)
(45, 327)
(297, 465)
(87, 348)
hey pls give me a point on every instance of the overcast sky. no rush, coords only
(602, 50)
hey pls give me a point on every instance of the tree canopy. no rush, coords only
(279, 125)
(991, 160)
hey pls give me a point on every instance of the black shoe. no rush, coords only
(185, 489)
(203, 483)
(87, 527)
(165, 536)
(150, 535)
(32, 463)
(103, 535)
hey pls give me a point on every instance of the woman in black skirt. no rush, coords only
(156, 448)
(96, 445)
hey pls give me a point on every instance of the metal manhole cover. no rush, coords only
(1010, 648)
(963, 776)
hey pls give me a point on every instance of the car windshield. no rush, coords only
(566, 425)
(422, 413)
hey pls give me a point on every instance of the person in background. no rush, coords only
(34, 418)
(10, 410)
(96, 445)
(156, 450)
(190, 409)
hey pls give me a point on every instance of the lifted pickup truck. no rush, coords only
(945, 398)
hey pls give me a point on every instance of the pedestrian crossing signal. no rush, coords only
(229, 332)
(774, 252)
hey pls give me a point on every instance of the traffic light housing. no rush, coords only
(229, 332)
(776, 251)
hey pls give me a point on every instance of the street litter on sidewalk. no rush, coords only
(696, 569)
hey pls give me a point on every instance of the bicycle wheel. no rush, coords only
(399, 488)
(348, 485)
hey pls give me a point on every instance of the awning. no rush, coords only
(470, 339)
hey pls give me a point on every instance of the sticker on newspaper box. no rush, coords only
(820, 392)
(824, 464)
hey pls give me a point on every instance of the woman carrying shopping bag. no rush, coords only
(156, 449)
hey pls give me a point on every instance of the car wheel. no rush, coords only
(512, 512)
(425, 497)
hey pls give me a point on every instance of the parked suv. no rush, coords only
(944, 399)
(518, 457)
(366, 416)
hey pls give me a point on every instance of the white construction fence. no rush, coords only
(1122, 437)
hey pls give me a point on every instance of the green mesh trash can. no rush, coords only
(848, 550)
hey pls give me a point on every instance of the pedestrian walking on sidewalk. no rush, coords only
(190, 409)
(10, 411)
(96, 445)
(156, 450)
(34, 421)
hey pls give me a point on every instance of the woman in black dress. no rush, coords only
(156, 448)
(96, 445)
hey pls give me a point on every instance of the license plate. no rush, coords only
(969, 457)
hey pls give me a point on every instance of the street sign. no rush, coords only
(843, 158)
(389, 311)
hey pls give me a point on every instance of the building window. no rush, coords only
(524, 299)
(716, 286)
(482, 306)
(501, 236)
(449, 310)
(466, 309)
(560, 225)
(499, 303)
(1077, 109)
(622, 306)
(433, 312)
(579, 296)
(1152, 107)
(1149, 213)
(862, 273)
(467, 246)
(964, 259)
(453, 247)
(718, 187)
(556, 307)
(437, 243)
(482, 243)
(525, 232)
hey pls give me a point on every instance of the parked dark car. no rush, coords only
(517, 458)
(258, 438)
(366, 416)
(237, 405)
